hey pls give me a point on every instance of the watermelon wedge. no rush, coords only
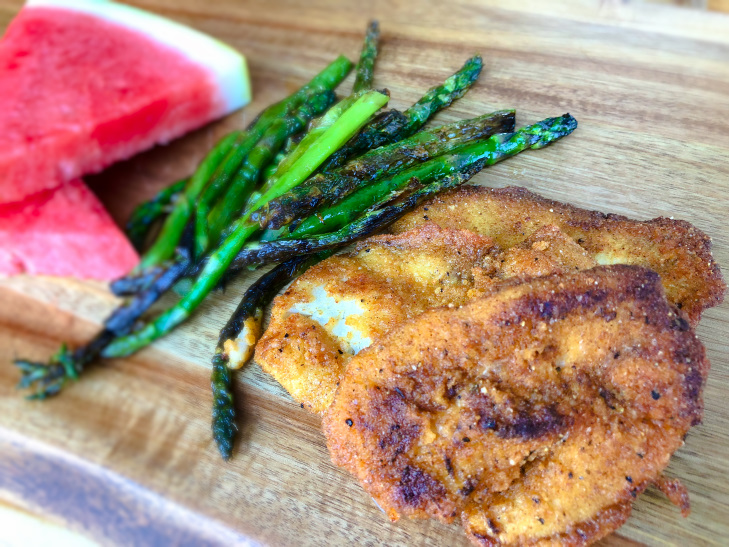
(85, 83)
(63, 232)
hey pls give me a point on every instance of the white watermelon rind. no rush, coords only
(227, 67)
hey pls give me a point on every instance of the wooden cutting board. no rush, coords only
(126, 457)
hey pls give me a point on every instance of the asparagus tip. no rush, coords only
(46, 379)
(223, 423)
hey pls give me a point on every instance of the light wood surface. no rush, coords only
(126, 457)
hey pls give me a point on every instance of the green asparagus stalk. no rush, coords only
(326, 188)
(294, 175)
(349, 123)
(169, 237)
(237, 340)
(220, 180)
(439, 97)
(250, 170)
(366, 65)
(166, 243)
(369, 223)
(48, 379)
(223, 424)
(317, 129)
(398, 125)
(145, 214)
(331, 140)
(490, 151)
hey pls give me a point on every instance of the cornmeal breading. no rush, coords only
(535, 413)
(341, 305)
(471, 239)
(678, 251)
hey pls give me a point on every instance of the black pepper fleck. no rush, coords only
(349, 422)
(655, 395)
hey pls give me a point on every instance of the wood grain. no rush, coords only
(126, 457)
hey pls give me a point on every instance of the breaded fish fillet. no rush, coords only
(345, 303)
(341, 305)
(536, 413)
(678, 251)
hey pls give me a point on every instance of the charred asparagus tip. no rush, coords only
(223, 424)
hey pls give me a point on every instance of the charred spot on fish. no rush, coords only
(449, 465)
(532, 424)
(609, 315)
(468, 488)
(416, 485)
(546, 310)
(693, 383)
(680, 324)
(452, 391)
(486, 422)
(608, 397)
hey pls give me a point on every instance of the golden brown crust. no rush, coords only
(675, 249)
(387, 280)
(571, 389)
(391, 278)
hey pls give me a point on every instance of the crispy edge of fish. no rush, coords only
(681, 253)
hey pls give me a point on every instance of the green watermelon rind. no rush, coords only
(227, 67)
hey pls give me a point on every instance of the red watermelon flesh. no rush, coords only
(63, 232)
(85, 83)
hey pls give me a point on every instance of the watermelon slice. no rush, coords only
(64, 232)
(85, 83)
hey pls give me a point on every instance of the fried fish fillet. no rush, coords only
(458, 246)
(341, 305)
(679, 252)
(535, 414)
